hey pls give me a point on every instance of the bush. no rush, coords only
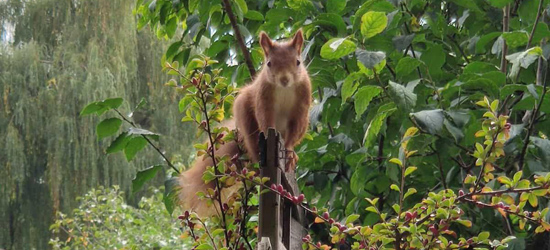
(104, 221)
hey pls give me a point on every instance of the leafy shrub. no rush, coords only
(423, 134)
(104, 221)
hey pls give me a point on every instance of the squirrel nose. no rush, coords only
(284, 80)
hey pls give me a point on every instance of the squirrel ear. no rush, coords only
(298, 40)
(265, 42)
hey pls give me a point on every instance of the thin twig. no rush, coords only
(149, 141)
(459, 49)
(533, 117)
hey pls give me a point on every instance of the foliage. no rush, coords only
(104, 220)
(433, 134)
(63, 55)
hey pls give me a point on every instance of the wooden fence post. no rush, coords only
(269, 217)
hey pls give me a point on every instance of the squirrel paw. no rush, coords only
(291, 160)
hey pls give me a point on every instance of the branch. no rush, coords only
(533, 117)
(479, 203)
(239, 37)
(149, 141)
(505, 191)
(505, 28)
(539, 13)
(537, 19)
(213, 156)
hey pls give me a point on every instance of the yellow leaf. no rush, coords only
(319, 220)
(480, 133)
(396, 161)
(533, 200)
(411, 153)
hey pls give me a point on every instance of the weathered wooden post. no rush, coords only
(281, 221)
(269, 217)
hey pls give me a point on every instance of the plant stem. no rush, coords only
(213, 156)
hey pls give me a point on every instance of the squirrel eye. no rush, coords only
(269, 64)
(297, 62)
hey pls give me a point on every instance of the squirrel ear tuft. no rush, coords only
(298, 41)
(265, 42)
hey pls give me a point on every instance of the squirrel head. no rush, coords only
(283, 63)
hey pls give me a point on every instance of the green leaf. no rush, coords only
(430, 121)
(102, 106)
(376, 124)
(357, 181)
(523, 59)
(352, 218)
(515, 39)
(133, 146)
(466, 223)
(469, 4)
(254, 15)
(394, 187)
(171, 188)
(242, 5)
(499, 3)
(404, 97)
(396, 161)
(143, 176)
(171, 27)
(409, 192)
(336, 6)
(396, 207)
(108, 127)
(484, 40)
(543, 148)
(406, 65)
(363, 97)
(370, 58)
(434, 57)
(350, 86)
(479, 68)
(172, 50)
(483, 236)
(410, 170)
(336, 48)
(373, 23)
(119, 143)
(300, 5)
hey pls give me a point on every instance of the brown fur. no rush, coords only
(279, 97)
(268, 102)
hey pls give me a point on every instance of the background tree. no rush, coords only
(56, 57)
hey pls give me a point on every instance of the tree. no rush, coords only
(430, 127)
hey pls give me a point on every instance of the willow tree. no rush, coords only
(62, 55)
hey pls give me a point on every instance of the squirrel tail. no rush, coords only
(191, 182)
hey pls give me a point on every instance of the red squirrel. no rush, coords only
(279, 97)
